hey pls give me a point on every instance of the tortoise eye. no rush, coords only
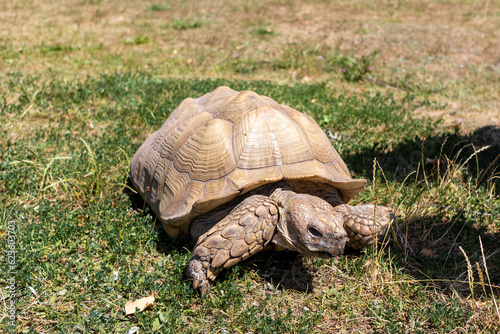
(314, 231)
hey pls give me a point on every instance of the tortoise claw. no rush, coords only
(196, 271)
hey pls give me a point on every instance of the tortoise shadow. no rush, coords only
(428, 245)
(483, 145)
(285, 270)
(164, 243)
(444, 250)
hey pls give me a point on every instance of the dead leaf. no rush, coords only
(140, 304)
(428, 252)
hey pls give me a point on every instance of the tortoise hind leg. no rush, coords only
(247, 229)
(366, 223)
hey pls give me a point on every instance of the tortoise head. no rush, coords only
(309, 225)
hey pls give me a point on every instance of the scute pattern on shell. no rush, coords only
(224, 144)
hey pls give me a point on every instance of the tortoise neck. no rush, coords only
(282, 238)
(282, 196)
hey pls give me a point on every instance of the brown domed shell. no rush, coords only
(224, 144)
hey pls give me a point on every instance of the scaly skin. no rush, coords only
(365, 223)
(245, 231)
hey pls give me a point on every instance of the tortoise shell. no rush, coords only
(225, 144)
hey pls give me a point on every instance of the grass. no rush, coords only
(184, 25)
(84, 249)
(80, 91)
(422, 49)
(156, 7)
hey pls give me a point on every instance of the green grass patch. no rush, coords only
(263, 31)
(85, 246)
(157, 7)
(137, 40)
(52, 48)
(182, 24)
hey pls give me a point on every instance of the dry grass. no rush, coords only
(447, 49)
(66, 156)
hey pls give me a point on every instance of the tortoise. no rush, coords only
(239, 173)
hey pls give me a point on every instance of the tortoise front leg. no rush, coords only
(247, 229)
(365, 223)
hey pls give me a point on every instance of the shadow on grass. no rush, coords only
(285, 270)
(430, 247)
(165, 244)
(409, 155)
